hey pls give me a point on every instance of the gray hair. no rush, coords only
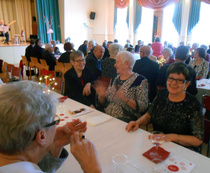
(114, 49)
(92, 42)
(127, 56)
(76, 54)
(24, 110)
(167, 49)
(48, 45)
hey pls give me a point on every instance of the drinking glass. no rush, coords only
(157, 138)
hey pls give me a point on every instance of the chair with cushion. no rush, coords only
(206, 105)
(3, 75)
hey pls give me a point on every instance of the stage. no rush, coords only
(11, 53)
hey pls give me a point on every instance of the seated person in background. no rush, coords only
(49, 56)
(174, 111)
(200, 65)
(93, 61)
(167, 53)
(29, 49)
(65, 57)
(35, 144)
(149, 69)
(128, 44)
(56, 49)
(207, 57)
(78, 81)
(157, 47)
(137, 47)
(115, 40)
(126, 98)
(90, 47)
(131, 50)
(107, 66)
(6, 34)
(37, 50)
(181, 55)
(83, 47)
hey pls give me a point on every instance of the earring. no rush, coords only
(185, 89)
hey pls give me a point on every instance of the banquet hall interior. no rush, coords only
(175, 22)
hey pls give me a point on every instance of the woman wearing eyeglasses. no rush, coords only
(78, 81)
(174, 111)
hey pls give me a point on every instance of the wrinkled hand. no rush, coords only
(132, 125)
(85, 153)
(86, 90)
(62, 134)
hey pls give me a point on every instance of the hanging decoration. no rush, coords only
(156, 4)
(121, 3)
(49, 26)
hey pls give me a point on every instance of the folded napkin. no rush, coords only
(163, 153)
(94, 121)
(62, 99)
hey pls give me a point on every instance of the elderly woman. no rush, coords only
(107, 66)
(175, 112)
(167, 53)
(127, 95)
(200, 65)
(78, 81)
(28, 133)
(65, 57)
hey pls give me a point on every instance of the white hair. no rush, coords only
(127, 56)
(24, 110)
(48, 45)
(167, 49)
(114, 49)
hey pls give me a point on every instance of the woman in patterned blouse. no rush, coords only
(175, 112)
(126, 98)
(200, 65)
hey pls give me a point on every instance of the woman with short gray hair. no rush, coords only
(107, 66)
(126, 98)
(167, 53)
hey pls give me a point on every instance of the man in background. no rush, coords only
(2, 33)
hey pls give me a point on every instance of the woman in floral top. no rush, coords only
(175, 112)
(200, 65)
(127, 95)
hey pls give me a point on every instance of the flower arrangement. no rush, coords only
(49, 26)
(48, 76)
(161, 60)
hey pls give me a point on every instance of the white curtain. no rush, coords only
(19, 10)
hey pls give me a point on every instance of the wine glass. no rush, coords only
(157, 138)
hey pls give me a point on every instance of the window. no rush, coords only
(144, 32)
(201, 33)
(121, 27)
(169, 32)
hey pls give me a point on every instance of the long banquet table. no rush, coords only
(110, 138)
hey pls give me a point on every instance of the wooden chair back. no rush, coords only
(3, 75)
(25, 61)
(67, 66)
(59, 68)
(16, 73)
(34, 62)
(43, 65)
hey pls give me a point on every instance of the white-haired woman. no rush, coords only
(167, 53)
(107, 66)
(48, 55)
(126, 98)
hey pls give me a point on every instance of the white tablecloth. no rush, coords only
(110, 138)
(203, 87)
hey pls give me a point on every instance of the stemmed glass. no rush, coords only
(157, 138)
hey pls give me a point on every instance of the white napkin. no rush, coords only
(94, 121)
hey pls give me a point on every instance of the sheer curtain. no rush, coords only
(144, 31)
(201, 33)
(121, 32)
(169, 32)
(19, 10)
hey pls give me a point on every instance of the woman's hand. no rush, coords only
(85, 153)
(132, 125)
(86, 90)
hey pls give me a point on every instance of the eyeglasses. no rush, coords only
(82, 60)
(56, 121)
(179, 81)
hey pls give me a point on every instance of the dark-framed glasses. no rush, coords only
(56, 121)
(81, 60)
(179, 81)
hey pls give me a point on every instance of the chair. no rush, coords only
(25, 63)
(9, 70)
(16, 74)
(43, 65)
(206, 105)
(59, 68)
(21, 35)
(3, 75)
(58, 85)
(67, 66)
(34, 64)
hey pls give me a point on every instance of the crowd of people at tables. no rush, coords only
(132, 95)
